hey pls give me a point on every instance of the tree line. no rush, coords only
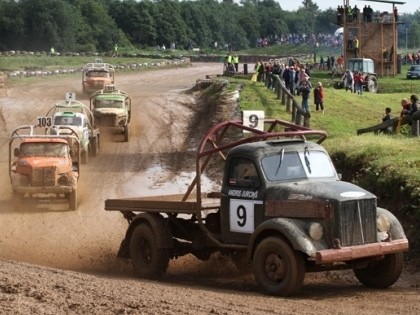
(97, 25)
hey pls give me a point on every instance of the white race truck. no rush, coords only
(77, 115)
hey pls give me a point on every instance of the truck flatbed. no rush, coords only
(166, 204)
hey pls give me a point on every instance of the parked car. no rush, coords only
(413, 72)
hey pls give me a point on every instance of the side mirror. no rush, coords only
(16, 152)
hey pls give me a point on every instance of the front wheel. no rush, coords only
(85, 157)
(372, 84)
(278, 269)
(149, 261)
(382, 273)
(126, 132)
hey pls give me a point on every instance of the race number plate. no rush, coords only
(241, 215)
(44, 121)
(253, 119)
(70, 96)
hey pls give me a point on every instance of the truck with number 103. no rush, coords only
(282, 211)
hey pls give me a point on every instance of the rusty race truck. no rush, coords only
(95, 75)
(112, 109)
(45, 166)
(77, 115)
(282, 210)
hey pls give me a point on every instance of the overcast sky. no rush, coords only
(410, 6)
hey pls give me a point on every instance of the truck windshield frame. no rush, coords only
(298, 165)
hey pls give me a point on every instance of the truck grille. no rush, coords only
(43, 176)
(356, 222)
(108, 120)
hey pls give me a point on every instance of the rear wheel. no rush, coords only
(372, 84)
(149, 261)
(17, 200)
(382, 273)
(278, 269)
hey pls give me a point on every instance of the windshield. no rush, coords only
(68, 120)
(102, 74)
(44, 149)
(108, 104)
(298, 165)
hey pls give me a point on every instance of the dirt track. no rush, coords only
(87, 240)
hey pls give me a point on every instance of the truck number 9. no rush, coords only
(241, 213)
(253, 121)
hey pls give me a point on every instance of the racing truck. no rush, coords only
(95, 75)
(281, 211)
(112, 109)
(70, 112)
(44, 166)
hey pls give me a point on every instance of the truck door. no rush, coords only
(241, 201)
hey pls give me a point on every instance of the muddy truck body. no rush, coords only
(96, 75)
(282, 211)
(78, 116)
(44, 166)
(111, 108)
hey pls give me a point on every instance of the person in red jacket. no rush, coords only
(319, 97)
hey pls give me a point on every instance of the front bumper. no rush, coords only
(43, 190)
(360, 251)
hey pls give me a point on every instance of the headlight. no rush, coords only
(63, 180)
(316, 231)
(382, 223)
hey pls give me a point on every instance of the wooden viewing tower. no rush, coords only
(375, 35)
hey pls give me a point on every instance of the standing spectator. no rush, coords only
(358, 82)
(235, 60)
(414, 107)
(348, 80)
(356, 12)
(305, 91)
(321, 63)
(292, 79)
(340, 63)
(365, 13)
(356, 47)
(319, 97)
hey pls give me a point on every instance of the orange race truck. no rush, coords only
(281, 209)
(45, 165)
(96, 75)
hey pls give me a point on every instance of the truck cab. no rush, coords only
(78, 116)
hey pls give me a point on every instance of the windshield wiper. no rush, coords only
(280, 161)
(308, 164)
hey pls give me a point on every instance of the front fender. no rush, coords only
(396, 230)
(294, 231)
(160, 227)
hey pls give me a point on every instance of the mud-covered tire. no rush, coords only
(73, 200)
(149, 261)
(126, 133)
(371, 84)
(278, 269)
(95, 146)
(382, 273)
(85, 157)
